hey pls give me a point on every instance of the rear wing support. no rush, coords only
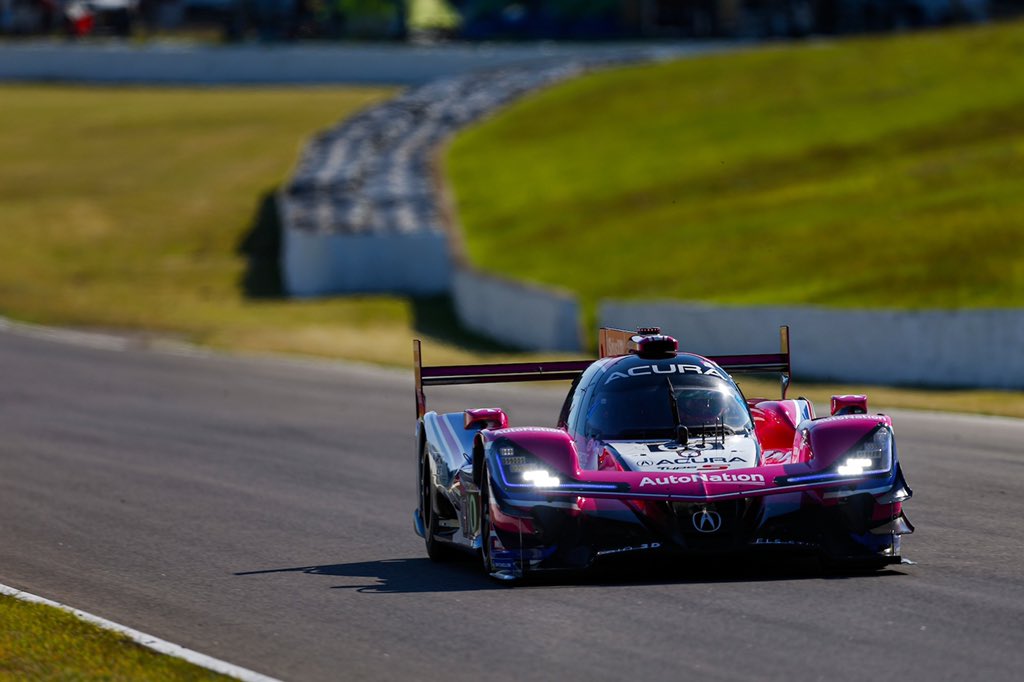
(611, 342)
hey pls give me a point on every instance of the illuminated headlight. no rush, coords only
(854, 466)
(873, 455)
(541, 478)
(520, 468)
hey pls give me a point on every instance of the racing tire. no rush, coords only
(485, 522)
(436, 550)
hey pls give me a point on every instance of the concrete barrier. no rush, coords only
(376, 63)
(940, 348)
(318, 264)
(521, 315)
(363, 197)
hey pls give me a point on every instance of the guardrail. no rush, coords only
(518, 314)
(292, 64)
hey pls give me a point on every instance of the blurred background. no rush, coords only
(286, 20)
(168, 170)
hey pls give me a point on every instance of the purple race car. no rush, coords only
(655, 451)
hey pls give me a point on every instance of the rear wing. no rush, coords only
(764, 363)
(452, 375)
(611, 342)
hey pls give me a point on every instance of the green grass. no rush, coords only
(43, 643)
(877, 172)
(126, 209)
(433, 14)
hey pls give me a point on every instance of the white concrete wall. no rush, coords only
(518, 314)
(315, 264)
(968, 348)
(118, 62)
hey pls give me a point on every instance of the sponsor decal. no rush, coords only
(845, 417)
(707, 521)
(620, 550)
(694, 459)
(697, 477)
(738, 453)
(648, 370)
(676, 449)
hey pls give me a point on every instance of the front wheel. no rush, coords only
(436, 550)
(486, 546)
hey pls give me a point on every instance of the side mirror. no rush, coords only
(849, 404)
(485, 418)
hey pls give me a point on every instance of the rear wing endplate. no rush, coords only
(611, 342)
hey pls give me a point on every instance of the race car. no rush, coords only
(655, 451)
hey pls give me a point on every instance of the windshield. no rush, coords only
(640, 407)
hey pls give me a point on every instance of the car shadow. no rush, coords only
(420, 575)
(720, 570)
(399, 575)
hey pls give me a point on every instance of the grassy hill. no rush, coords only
(134, 208)
(884, 171)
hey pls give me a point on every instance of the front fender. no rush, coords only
(831, 438)
(552, 449)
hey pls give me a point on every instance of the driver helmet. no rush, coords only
(701, 406)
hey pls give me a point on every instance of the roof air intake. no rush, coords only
(656, 346)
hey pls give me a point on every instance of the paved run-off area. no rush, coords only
(260, 512)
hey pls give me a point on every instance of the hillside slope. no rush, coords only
(884, 171)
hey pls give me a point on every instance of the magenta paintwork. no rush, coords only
(832, 436)
(657, 344)
(776, 422)
(554, 446)
(564, 497)
(849, 404)
(829, 436)
(486, 417)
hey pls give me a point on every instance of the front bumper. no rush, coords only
(854, 526)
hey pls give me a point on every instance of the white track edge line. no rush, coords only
(149, 641)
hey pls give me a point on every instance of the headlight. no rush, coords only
(872, 455)
(519, 468)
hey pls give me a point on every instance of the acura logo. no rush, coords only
(707, 521)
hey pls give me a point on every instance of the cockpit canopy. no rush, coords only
(631, 399)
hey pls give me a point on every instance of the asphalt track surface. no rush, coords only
(304, 63)
(260, 511)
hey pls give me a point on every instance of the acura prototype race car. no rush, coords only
(655, 451)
